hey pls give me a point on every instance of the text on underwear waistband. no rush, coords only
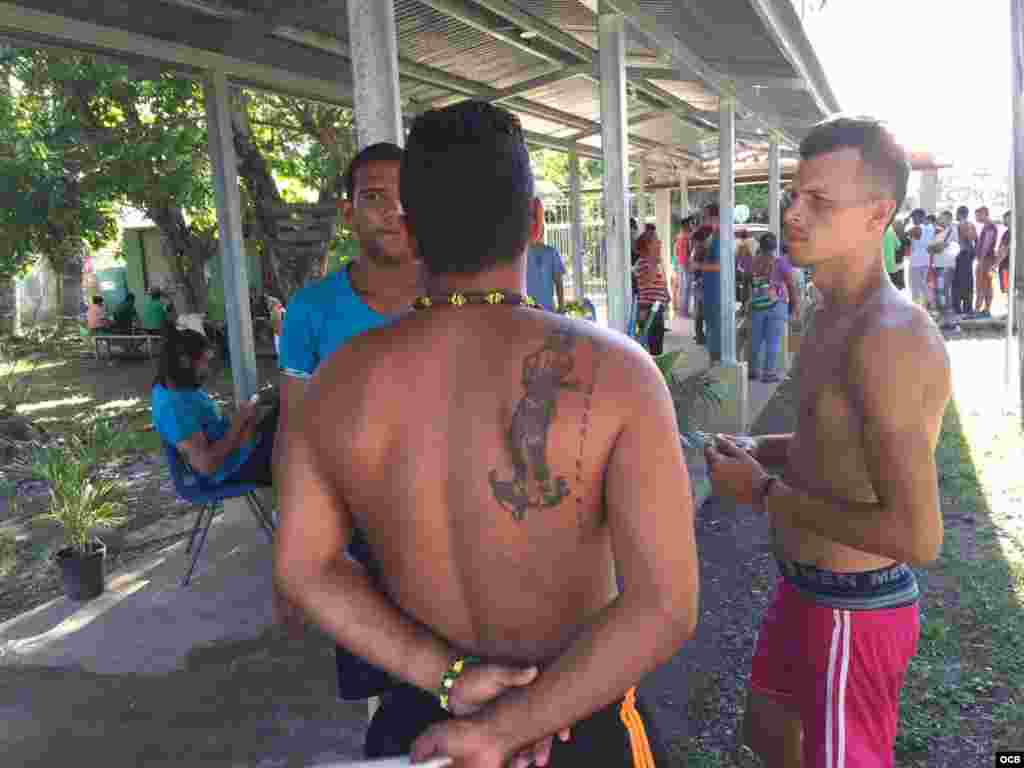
(892, 587)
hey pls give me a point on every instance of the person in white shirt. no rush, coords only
(921, 234)
(945, 266)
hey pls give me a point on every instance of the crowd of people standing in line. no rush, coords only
(953, 262)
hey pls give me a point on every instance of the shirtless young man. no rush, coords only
(506, 464)
(858, 498)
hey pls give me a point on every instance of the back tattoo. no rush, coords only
(532, 486)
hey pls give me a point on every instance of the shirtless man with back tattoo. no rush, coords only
(857, 502)
(506, 464)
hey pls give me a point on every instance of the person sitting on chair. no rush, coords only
(126, 316)
(224, 451)
(95, 316)
(154, 312)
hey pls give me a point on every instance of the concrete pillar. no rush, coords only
(234, 266)
(1017, 224)
(641, 195)
(930, 190)
(774, 188)
(775, 225)
(663, 221)
(576, 224)
(612, 44)
(727, 233)
(374, 47)
(734, 411)
(684, 193)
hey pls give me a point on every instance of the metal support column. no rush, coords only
(1017, 225)
(642, 211)
(234, 266)
(774, 188)
(612, 44)
(727, 230)
(684, 193)
(374, 47)
(576, 223)
(663, 221)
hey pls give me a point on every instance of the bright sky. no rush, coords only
(937, 72)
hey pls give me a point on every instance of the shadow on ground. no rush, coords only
(266, 701)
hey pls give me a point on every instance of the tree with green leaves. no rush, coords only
(51, 204)
(114, 139)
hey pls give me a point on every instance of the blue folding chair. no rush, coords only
(209, 498)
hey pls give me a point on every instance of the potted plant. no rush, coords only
(80, 503)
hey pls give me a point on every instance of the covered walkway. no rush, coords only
(662, 93)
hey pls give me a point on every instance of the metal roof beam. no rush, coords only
(566, 42)
(441, 79)
(684, 57)
(503, 94)
(119, 29)
(584, 53)
(786, 29)
(667, 73)
(487, 21)
(530, 23)
(680, 108)
(634, 119)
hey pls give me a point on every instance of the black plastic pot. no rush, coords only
(83, 574)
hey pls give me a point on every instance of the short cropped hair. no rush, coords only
(384, 152)
(962, 212)
(476, 153)
(885, 161)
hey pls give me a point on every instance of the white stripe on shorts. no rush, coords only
(835, 695)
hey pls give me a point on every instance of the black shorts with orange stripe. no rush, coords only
(621, 734)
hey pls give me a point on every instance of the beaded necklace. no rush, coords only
(462, 299)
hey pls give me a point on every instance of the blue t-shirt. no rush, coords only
(543, 265)
(320, 318)
(180, 413)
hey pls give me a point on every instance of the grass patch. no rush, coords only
(8, 554)
(965, 683)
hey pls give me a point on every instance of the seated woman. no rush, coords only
(95, 315)
(235, 451)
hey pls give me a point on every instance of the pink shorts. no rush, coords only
(842, 670)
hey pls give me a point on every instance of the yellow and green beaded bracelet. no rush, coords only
(448, 680)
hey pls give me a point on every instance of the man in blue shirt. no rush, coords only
(711, 285)
(369, 293)
(544, 272)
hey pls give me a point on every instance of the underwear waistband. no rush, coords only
(892, 587)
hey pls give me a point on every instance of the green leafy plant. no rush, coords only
(8, 554)
(100, 440)
(701, 387)
(15, 380)
(79, 501)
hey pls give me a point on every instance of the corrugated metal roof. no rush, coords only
(731, 36)
(580, 95)
(428, 37)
